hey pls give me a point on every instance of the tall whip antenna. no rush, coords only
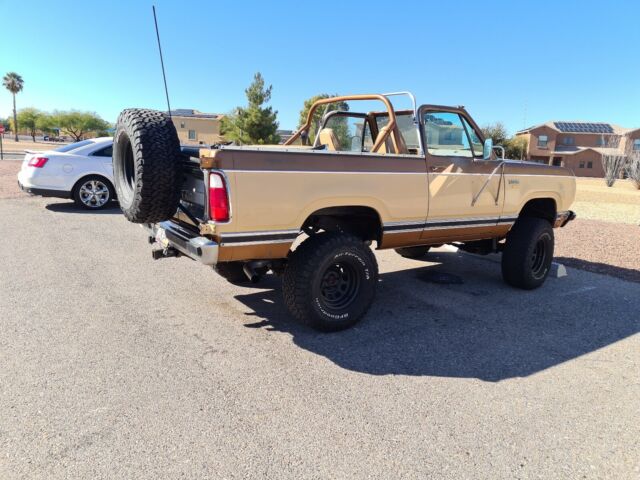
(164, 76)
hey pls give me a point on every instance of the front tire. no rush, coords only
(330, 281)
(528, 253)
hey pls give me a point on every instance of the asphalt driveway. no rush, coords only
(116, 366)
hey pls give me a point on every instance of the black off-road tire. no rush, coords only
(528, 253)
(146, 165)
(413, 253)
(232, 272)
(330, 281)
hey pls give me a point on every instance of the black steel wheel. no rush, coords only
(330, 281)
(528, 253)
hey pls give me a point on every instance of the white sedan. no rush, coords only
(81, 171)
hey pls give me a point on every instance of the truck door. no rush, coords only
(465, 199)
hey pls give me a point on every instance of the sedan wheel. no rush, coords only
(93, 193)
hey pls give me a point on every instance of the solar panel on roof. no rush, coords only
(575, 127)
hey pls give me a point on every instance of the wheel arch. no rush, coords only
(363, 221)
(545, 207)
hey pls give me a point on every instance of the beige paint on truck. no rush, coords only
(276, 189)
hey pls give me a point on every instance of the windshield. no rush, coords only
(73, 146)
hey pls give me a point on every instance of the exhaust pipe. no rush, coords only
(255, 270)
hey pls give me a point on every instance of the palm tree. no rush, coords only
(14, 83)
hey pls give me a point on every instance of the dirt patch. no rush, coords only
(9, 180)
(600, 247)
(596, 201)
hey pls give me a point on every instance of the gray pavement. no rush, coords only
(116, 366)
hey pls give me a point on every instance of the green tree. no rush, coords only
(78, 124)
(496, 131)
(47, 123)
(255, 124)
(319, 113)
(28, 120)
(14, 83)
(516, 147)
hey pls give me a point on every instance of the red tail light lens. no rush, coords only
(218, 198)
(38, 162)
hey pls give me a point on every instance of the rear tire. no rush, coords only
(330, 281)
(93, 192)
(146, 165)
(413, 253)
(528, 253)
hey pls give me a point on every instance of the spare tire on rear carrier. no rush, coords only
(146, 165)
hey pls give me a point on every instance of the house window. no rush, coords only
(636, 144)
(181, 124)
(543, 140)
(589, 164)
(569, 141)
(581, 165)
(601, 142)
(192, 134)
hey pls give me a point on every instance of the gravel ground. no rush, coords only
(8, 180)
(116, 366)
(600, 247)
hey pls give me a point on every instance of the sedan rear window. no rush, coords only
(73, 146)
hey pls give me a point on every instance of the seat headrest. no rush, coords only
(328, 138)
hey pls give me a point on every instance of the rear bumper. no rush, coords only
(44, 192)
(562, 218)
(170, 235)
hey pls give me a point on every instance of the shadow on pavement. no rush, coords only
(628, 274)
(476, 329)
(70, 207)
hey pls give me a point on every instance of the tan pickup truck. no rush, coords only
(311, 211)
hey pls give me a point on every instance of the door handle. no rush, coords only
(437, 168)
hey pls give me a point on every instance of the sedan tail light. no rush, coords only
(218, 198)
(38, 162)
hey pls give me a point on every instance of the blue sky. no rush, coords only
(521, 63)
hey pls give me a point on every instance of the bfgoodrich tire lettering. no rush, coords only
(330, 281)
(146, 165)
(528, 253)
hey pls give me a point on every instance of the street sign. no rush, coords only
(1, 128)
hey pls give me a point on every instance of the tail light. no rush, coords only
(38, 162)
(218, 198)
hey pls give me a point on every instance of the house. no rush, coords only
(197, 128)
(578, 145)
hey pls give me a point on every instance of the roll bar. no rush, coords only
(386, 131)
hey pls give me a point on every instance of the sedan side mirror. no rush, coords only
(487, 149)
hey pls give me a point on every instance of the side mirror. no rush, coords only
(487, 149)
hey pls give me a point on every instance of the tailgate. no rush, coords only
(192, 195)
